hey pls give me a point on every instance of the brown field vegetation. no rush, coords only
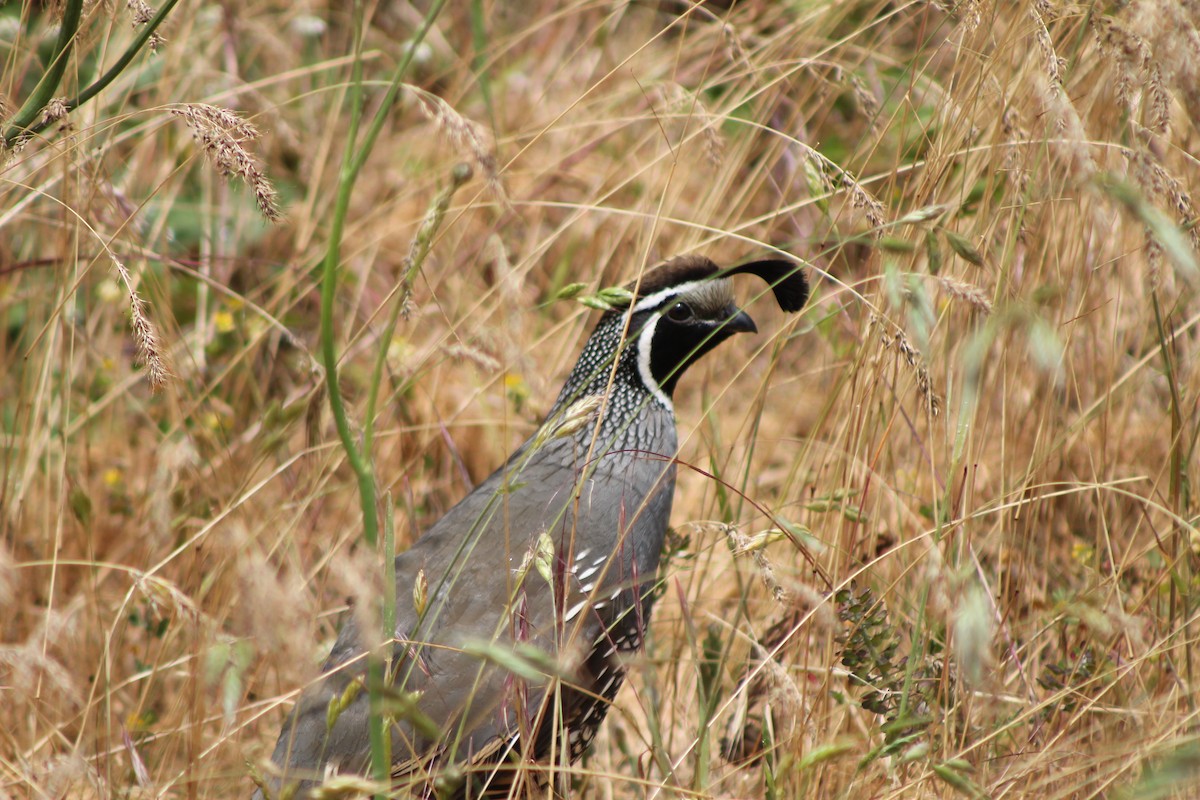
(979, 440)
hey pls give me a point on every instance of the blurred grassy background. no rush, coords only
(983, 429)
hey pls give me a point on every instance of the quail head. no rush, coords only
(541, 578)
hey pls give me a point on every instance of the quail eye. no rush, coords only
(680, 312)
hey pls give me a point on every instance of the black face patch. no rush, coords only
(682, 336)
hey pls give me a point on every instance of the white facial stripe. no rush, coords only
(645, 338)
(650, 301)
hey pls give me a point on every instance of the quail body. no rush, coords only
(548, 564)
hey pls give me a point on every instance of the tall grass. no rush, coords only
(939, 535)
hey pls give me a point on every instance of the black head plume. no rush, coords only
(785, 277)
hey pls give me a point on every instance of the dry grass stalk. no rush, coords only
(965, 11)
(460, 350)
(894, 339)
(467, 135)
(30, 668)
(735, 49)
(784, 697)
(833, 177)
(8, 577)
(680, 97)
(223, 135)
(742, 544)
(1069, 134)
(1130, 52)
(1160, 186)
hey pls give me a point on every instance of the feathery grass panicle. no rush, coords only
(150, 353)
(461, 350)
(223, 134)
(1131, 53)
(868, 103)
(1069, 134)
(1158, 183)
(968, 293)
(1014, 136)
(54, 111)
(141, 11)
(966, 12)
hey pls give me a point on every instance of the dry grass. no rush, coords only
(994, 197)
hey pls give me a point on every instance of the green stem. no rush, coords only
(43, 93)
(23, 124)
(359, 457)
(126, 58)
(361, 466)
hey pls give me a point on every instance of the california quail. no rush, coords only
(556, 553)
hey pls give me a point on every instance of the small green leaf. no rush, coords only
(1164, 231)
(401, 705)
(231, 694)
(594, 301)
(959, 782)
(923, 214)
(81, 505)
(616, 295)
(933, 253)
(826, 753)
(894, 244)
(818, 187)
(1044, 345)
(522, 660)
(543, 557)
(340, 702)
(570, 291)
(962, 245)
(420, 592)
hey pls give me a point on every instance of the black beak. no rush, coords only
(740, 322)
